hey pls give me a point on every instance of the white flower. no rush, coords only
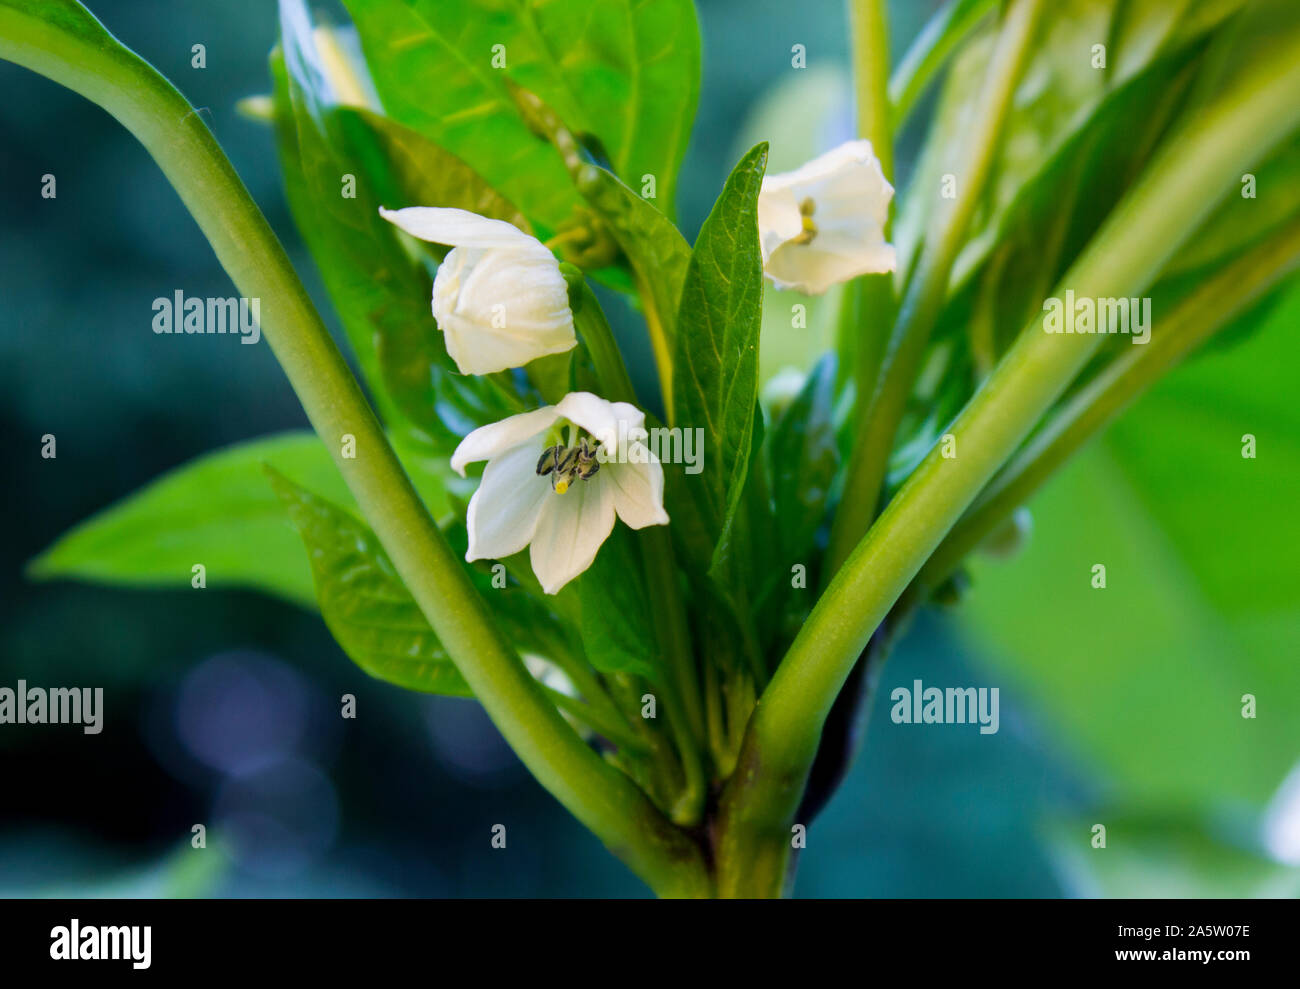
(825, 222)
(498, 296)
(555, 479)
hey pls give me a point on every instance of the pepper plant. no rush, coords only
(670, 587)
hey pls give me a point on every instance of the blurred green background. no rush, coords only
(1119, 707)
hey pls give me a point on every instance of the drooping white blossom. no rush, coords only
(498, 296)
(556, 479)
(824, 223)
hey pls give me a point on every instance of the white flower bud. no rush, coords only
(498, 296)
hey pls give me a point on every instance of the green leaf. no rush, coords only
(1166, 857)
(1056, 114)
(803, 458)
(1240, 222)
(743, 564)
(617, 633)
(361, 272)
(715, 370)
(368, 609)
(217, 511)
(1203, 579)
(651, 244)
(658, 253)
(405, 168)
(625, 71)
(380, 292)
(534, 622)
(931, 50)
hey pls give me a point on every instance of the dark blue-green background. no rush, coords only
(222, 706)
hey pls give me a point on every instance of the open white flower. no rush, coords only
(825, 222)
(498, 296)
(555, 479)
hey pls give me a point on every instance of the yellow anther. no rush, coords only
(809, 229)
(561, 487)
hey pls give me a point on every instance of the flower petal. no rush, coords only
(459, 228)
(779, 219)
(504, 511)
(501, 308)
(853, 159)
(569, 533)
(612, 423)
(496, 438)
(813, 268)
(850, 205)
(637, 488)
(592, 413)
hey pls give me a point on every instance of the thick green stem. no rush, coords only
(1195, 319)
(1195, 169)
(881, 408)
(70, 47)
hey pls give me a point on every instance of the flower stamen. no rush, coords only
(566, 464)
(806, 209)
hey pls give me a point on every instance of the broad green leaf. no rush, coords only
(715, 369)
(624, 71)
(1202, 603)
(216, 511)
(368, 609)
(380, 292)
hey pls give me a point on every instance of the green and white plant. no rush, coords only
(501, 165)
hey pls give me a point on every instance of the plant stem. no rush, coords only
(599, 721)
(930, 51)
(868, 305)
(880, 409)
(1197, 166)
(74, 50)
(584, 679)
(1196, 318)
(869, 29)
